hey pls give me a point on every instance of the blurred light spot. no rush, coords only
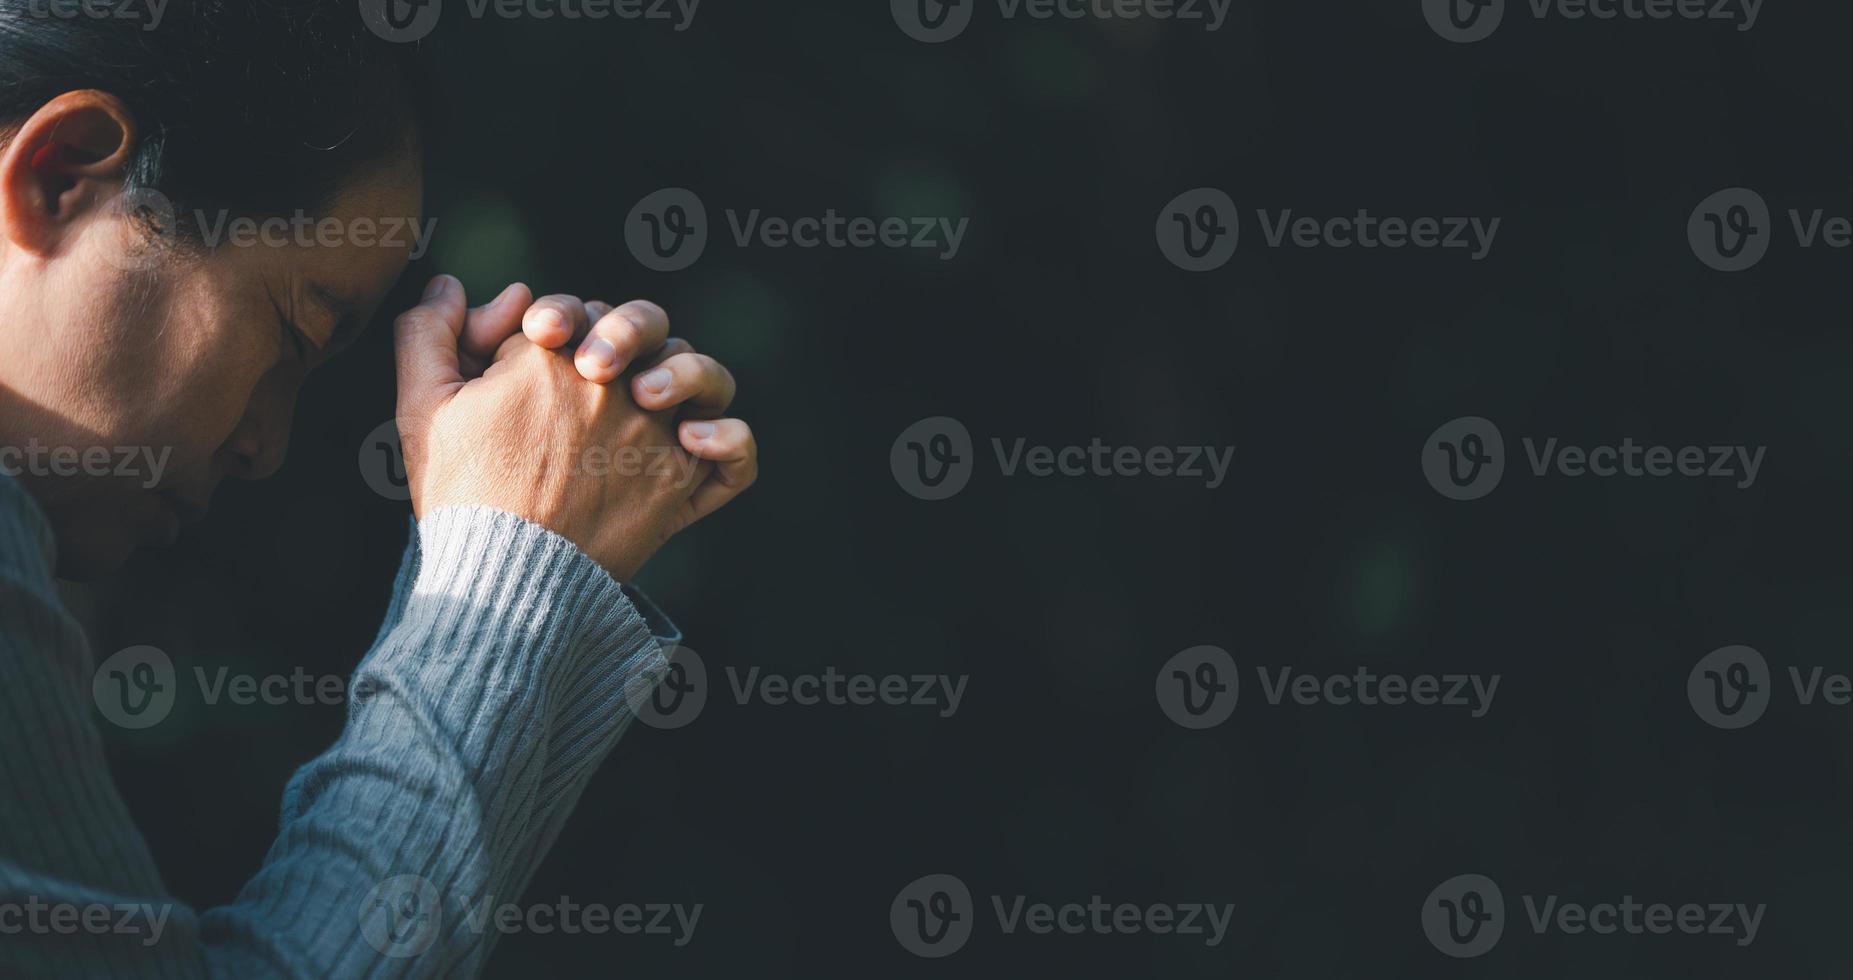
(484, 243)
(1383, 588)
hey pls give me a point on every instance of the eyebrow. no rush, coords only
(341, 309)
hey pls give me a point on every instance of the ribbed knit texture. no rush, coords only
(496, 685)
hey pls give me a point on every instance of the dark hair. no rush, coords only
(258, 107)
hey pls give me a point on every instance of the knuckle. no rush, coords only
(513, 347)
(690, 367)
(714, 369)
(721, 378)
(566, 306)
(528, 359)
(622, 331)
(648, 310)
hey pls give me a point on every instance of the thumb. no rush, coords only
(425, 340)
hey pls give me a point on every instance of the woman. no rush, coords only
(129, 318)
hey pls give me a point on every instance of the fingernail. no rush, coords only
(436, 286)
(701, 430)
(549, 319)
(600, 353)
(656, 381)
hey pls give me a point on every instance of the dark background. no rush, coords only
(1060, 321)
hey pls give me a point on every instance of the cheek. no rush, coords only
(212, 362)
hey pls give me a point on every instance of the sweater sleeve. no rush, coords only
(502, 678)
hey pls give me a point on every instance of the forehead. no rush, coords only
(353, 253)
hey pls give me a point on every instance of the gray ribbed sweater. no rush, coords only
(498, 682)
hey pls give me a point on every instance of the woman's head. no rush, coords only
(191, 217)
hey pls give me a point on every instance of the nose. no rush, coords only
(258, 445)
(256, 451)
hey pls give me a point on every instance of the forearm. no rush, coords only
(473, 725)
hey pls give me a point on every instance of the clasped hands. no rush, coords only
(587, 419)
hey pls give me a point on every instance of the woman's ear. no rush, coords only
(65, 162)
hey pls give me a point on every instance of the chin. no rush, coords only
(87, 556)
